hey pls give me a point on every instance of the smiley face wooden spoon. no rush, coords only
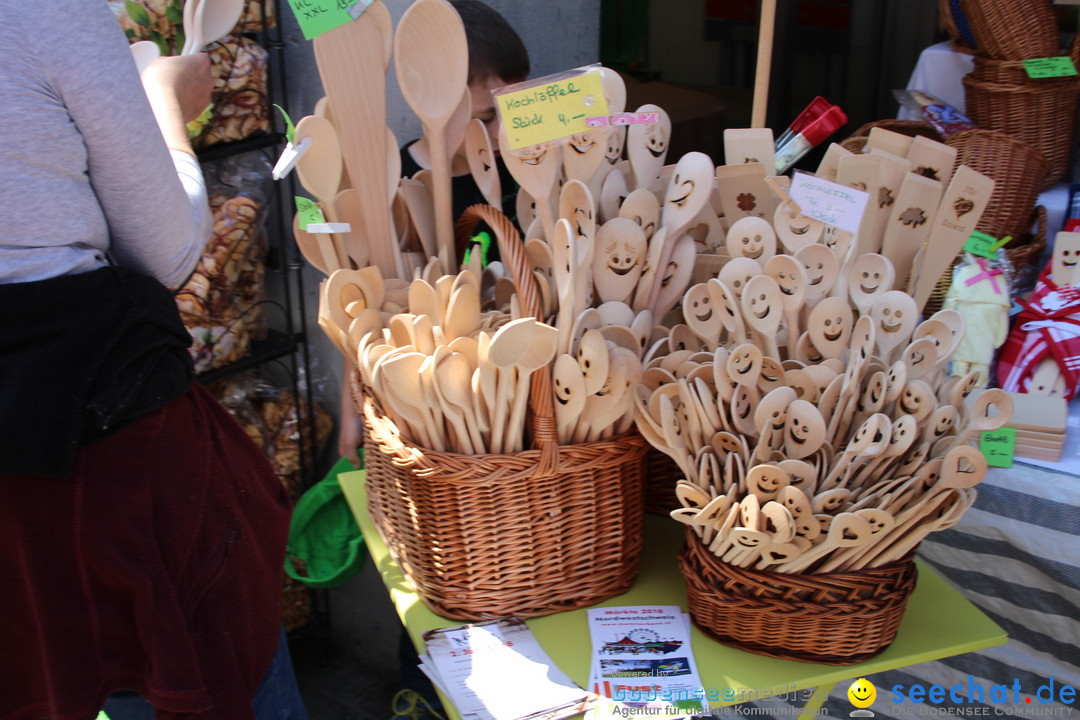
(790, 277)
(867, 278)
(821, 268)
(762, 304)
(830, 325)
(618, 260)
(804, 430)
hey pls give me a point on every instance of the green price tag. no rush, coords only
(316, 17)
(981, 244)
(1050, 67)
(308, 211)
(998, 447)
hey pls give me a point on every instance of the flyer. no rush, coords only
(496, 670)
(642, 657)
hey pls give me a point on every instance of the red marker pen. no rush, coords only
(811, 136)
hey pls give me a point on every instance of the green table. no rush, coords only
(939, 622)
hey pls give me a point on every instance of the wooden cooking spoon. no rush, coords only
(481, 160)
(319, 170)
(431, 56)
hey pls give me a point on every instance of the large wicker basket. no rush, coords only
(832, 618)
(530, 533)
(1012, 29)
(1039, 112)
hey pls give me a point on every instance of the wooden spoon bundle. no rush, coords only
(832, 448)
(450, 374)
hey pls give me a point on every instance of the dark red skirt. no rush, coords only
(156, 568)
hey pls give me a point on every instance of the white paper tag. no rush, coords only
(289, 157)
(328, 228)
(829, 202)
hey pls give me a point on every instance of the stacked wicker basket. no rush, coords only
(999, 94)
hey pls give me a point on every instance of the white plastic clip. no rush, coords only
(328, 227)
(289, 157)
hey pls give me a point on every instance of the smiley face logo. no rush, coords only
(698, 303)
(614, 149)
(681, 190)
(869, 282)
(759, 305)
(891, 321)
(862, 693)
(582, 144)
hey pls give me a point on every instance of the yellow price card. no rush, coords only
(552, 108)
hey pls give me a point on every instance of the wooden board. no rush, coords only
(932, 159)
(863, 172)
(910, 222)
(744, 193)
(830, 162)
(961, 207)
(888, 140)
(1035, 412)
(750, 145)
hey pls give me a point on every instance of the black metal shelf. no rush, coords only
(276, 345)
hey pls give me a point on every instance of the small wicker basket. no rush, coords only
(832, 618)
(530, 533)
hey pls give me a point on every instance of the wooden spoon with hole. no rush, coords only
(847, 530)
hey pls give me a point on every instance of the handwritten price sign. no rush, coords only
(316, 17)
(551, 111)
(829, 202)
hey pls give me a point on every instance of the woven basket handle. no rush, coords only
(512, 250)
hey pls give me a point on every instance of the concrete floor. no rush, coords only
(349, 670)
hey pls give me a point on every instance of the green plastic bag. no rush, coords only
(324, 534)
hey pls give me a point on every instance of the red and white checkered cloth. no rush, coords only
(1049, 325)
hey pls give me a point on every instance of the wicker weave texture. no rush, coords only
(1041, 113)
(549, 529)
(661, 476)
(483, 536)
(1012, 29)
(836, 618)
(1019, 172)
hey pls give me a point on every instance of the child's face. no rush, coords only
(483, 105)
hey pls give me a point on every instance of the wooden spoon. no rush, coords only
(751, 237)
(352, 65)
(762, 305)
(643, 208)
(319, 170)
(869, 277)
(583, 154)
(830, 326)
(214, 19)
(536, 170)
(822, 268)
(895, 315)
(647, 146)
(508, 345)
(482, 162)
(431, 57)
(804, 430)
(790, 277)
